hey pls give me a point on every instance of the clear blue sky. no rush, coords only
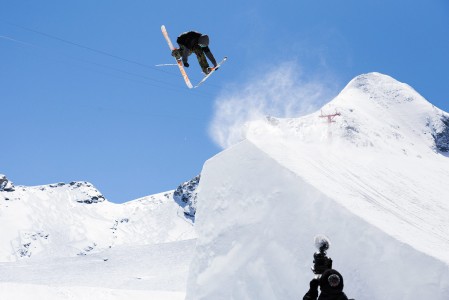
(81, 98)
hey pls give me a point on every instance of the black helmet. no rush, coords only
(331, 281)
(203, 40)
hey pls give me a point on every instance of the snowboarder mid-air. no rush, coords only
(331, 285)
(197, 43)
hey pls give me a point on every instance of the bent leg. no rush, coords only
(201, 59)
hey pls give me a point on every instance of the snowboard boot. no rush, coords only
(206, 70)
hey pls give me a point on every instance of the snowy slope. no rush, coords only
(381, 158)
(156, 271)
(375, 181)
(65, 220)
(56, 240)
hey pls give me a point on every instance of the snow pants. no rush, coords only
(178, 53)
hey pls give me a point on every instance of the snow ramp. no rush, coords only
(370, 170)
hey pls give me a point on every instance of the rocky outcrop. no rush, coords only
(186, 195)
(5, 184)
(442, 137)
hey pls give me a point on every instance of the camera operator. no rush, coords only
(331, 286)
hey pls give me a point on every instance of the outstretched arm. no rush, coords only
(185, 56)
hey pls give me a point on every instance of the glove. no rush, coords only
(176, 53)
(186, 64)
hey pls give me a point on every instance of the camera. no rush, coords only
(320, 260)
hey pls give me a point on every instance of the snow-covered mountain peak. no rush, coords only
(384, 146)
(83, 191)
(75, 219)
(383, 89)
(75, 191)
(373, 111)
(379, 111)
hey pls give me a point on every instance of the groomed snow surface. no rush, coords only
(125, 272)
(374, 181)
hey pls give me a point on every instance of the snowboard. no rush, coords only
(179, 62)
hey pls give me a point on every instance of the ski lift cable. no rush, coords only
(86, 47)
(168, 85)
(157, 67)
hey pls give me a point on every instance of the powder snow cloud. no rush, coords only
(282, 92)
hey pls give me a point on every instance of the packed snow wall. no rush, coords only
(256, 221)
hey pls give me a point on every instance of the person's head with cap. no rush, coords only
(203, 40)
(331, 281)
